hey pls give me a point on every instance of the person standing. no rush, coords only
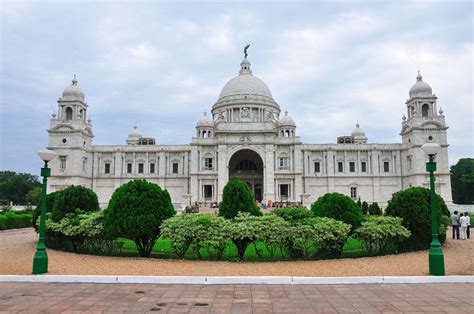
(463, 221)
(455, 224)
(468, 232)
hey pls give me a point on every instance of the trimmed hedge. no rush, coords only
(13, 220)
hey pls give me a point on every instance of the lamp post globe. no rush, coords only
(436, 258)
(40, 260)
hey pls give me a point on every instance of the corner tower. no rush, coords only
(424, 123)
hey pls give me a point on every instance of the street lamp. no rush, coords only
(436, 258)
(40, 260)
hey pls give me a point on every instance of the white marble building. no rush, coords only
(247, 136)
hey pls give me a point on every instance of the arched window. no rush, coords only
(68, 113)
(424, 110)
(245, 165)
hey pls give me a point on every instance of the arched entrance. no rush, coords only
(247, 165)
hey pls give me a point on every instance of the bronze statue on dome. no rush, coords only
(245, 50)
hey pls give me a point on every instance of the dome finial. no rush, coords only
(74, 80)
(245, 50)
(357, 123)
(419, 77)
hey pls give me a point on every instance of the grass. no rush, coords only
(163, 248)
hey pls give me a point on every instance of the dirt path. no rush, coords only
(17, 248)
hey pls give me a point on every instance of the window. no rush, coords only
(245, 165)
(62, 163)
(317, 167)
(140, 167)
(68, 113)
(363, 166)
(352, 166)
(353, 193)
(424, 110)
(84, 164)
(340, 166)
(283, 163)
(175, 167)
(207, 191)
(208, 163)
(386, 166)
(284, 191)
(107, 168)
(129, 167)
(152, 167)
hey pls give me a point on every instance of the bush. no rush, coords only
(237, 198)
(273, 234)
(413, 205)
(72, 198)
(292, 213)
(243, 230)
(330, 235)
(374, 209)
(381, 233)
(198, 231)
(136, 211)
(365, 208)
(50, 201)
(339, 207)
(13, 220)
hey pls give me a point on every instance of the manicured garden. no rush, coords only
(140, 220)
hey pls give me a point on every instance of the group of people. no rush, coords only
(461, 224)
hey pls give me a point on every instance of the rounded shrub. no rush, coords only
(374, 209)
(136, 211)
(243, 230)
(413, 205)
(237, 198)
(292, 213)
(72, 198)
(50, 201)
(340, 207)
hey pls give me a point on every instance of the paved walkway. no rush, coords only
(141, 298)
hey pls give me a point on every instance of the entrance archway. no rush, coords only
(247, 165)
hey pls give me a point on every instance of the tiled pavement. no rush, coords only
(362, 298)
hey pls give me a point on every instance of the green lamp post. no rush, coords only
(436, 258)
(40, 260)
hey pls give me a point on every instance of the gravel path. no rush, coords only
(17, 248)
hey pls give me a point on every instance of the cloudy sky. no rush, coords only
(160, 65)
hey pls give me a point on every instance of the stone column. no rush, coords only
(269, 172)
(222, 170)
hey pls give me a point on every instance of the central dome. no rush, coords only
(246, 89)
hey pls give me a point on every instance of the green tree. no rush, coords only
(462, 181)
(365, 208)
(413, 205)
(374, 209)
(34, 195)
(340, 207)
(136, 211)
(237, 198)
(15, 186)
(72, 198)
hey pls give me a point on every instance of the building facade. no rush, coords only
(248, 136)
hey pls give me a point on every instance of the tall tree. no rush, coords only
(462, 181)
(15, 186)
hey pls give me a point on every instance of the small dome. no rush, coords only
(73, 91)
(134, 133)
(204, 121)
(287, 120)
(358, 132)
(420, 88)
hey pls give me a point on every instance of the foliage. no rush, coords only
(14, 220)
(292, 213)
(273, 233)
(34, 195)
(374, 209)
(413, 205)
(365, 208)
(237, 198)
(198, 231)
(50, 201)
(136, 211)
(381, 232)
(80, 232)
(14, 186)
(339, 207)
(243, 230)
(72, 198)
(462, 181)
